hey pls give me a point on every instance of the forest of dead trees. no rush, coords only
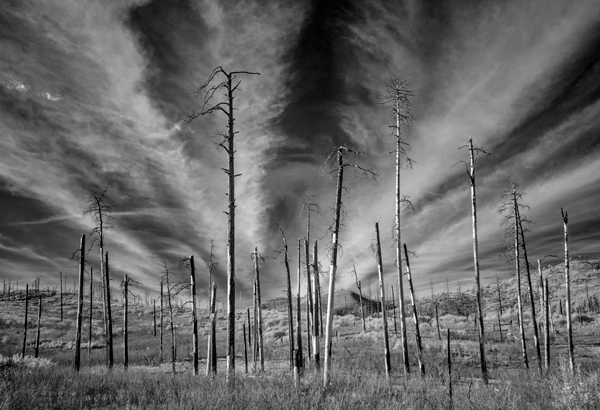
(310, 318)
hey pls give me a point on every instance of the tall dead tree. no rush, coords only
(79, 304)
(341, 164)
(162, 295)
(61, 297)
(212, 265)
(474, 154)
(100, 211)
(289, 299)
(206, 92)
(360, 298)
(309, 302)
(397, 98)
(565, 218)
(386, 340)
(194, 314)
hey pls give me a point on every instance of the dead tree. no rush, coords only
(194, 314)
(80, 304)
(309, 302)
(161, 321)
(415, 314)
(206, 92)
(126, 292)
(565, 218)
(100, 212)
(61, 297)
(546, 327)
(386, 340)
(360, 299)
(172, 328)
(261, 350)
(298, 363)
(499, 296)
(521, 219)
(212, 265)
(397, 98)
(25, 322)
(474, 154)
(316, 310)
(341, 164)
(211, 355)
(289, 300)
(91, 312)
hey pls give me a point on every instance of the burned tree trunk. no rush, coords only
(298, 361)
(315, 334)
(518, 270)
(261, 349)
(125, 323)
(211, 355)
(39, 323)
(91, 312)
(25, 322)
(309, 303)
(360, 298)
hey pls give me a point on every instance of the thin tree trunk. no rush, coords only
(449, 370)
(61, 297)
(246, 350)
(333, 269)
(398, 232)
(211, 355)
(484, 373)
(546, 326)
(125, 324)
(565, 218)
(360, 298)
(536, 340)
(289, 303)
(298, 362)
(415, 314)
(80, 305)
(39, 323)
(499, 327)
(108, 311)
(91, 312)
(172, 328)
(499, 295)
(437, 322)
(315, 276)
(309, 302)
(255, 328)
(194, 314)
(394, 312)
(518, 270)
(154, 315)
(261, 348)
(25, 322)
(161, 320)
(386, 340)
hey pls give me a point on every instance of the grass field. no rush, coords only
(358, 379)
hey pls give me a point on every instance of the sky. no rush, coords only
(96, 94)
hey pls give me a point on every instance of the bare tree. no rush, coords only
(360, 298)
(386, 339)
(126, 292)
(206, 92)
(415, 313)
(256, 257)
(79, 304)
(474, 154)
(316, 309)
(397, 98)
(565, 218)
(289, 299)
(100, 211)
(341, 164)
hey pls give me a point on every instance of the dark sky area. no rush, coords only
(95, 94)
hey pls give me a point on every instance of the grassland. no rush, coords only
(358, 373)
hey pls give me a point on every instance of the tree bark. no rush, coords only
(546, 327)
(161, 320)
(309, 302)
(91, 312)
(108, 312)
(211, 356)
(125, 323)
